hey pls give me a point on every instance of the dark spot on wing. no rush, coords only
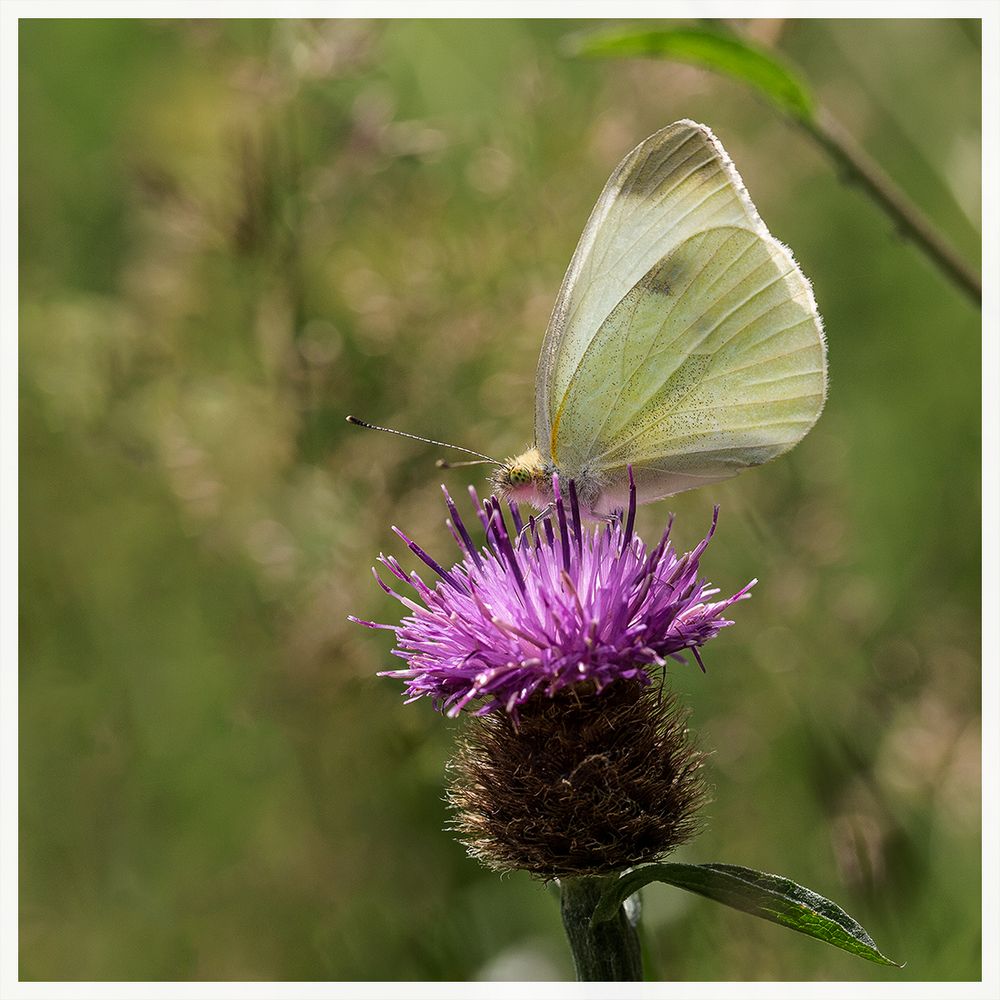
(665, 275)
(655, 281)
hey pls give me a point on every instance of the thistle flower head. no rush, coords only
(547, 605)
(580, 785)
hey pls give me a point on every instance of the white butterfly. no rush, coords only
(685, 341)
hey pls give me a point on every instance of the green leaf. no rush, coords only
(722, 53)
(769, 896)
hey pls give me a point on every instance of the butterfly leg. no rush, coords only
(534, 519)
(615, 515)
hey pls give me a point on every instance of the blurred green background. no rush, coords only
(233, 233)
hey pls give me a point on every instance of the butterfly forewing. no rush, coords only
(676, 183)
(685, 340)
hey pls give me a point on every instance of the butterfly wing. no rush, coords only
(685, 341)
(712, 362)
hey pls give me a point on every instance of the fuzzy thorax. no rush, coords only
(527, 478)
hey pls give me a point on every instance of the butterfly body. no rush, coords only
(684, 344)
(528, 478)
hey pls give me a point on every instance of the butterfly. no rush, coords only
(685, 344)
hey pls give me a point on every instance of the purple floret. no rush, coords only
(548, 605)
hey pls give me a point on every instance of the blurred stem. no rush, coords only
(858, 166)
(608, 952)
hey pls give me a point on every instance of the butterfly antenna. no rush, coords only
(442, 463)
(416, 437)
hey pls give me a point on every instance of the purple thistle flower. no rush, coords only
(548, 606)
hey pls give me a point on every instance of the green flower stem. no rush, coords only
(858, 166)
(607, 952)
(719, 50)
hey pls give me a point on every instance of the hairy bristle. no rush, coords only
(583, 783)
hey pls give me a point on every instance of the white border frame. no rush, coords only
(12, 10)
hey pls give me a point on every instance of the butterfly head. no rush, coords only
(526, 478)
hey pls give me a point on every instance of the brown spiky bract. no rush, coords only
(584, 784)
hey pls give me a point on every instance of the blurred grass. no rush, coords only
(235, 232)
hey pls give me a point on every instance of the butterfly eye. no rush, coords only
(519, 476)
